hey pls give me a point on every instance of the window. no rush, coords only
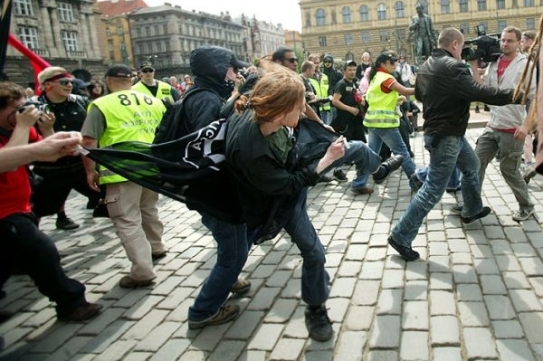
(23, 7)
(110, 45)
(346, 12)
(322, 41)
(165, 28)
(502, 24)
(348, 39)
(29, 37)
(530, 23)
(120, 30)
(156, 30)
(366, 37)
(383, 35)
(464, 8)
(321, 17)
(65, 12)
(147, 31)
(481, 5)
(364, 13)
(108, 32)
(141, 48)
(500, 4)
(138, 32)
(401, 34)
(445, 7)
(381, 12)
(464, 28)
(400, 12)
(528, 3)
(69, 38)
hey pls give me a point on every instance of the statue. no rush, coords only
(422, 34)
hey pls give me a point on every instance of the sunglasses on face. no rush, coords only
(147, 71)
(292, 60)
(65, 82)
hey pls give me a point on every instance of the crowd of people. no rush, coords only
(362, 116)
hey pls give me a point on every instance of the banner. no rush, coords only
(5, 20)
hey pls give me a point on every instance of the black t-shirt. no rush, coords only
(346, 89)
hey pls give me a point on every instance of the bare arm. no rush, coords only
(336, 101)
(90, 165)
(402, 90)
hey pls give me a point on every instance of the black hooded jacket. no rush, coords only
(333, 75)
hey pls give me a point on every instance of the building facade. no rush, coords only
(116, 29)
(166, 35)
(346, 29)
(64, 33)
(293, 40)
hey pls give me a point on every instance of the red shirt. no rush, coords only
(15, 185)
(385, 86)
(502, 65)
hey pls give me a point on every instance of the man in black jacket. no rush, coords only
(446, 88)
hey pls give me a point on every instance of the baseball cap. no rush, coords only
(350, 63)
(235, 62)
(147, 66)
(119, 71)
(383, 57)
(79, 84)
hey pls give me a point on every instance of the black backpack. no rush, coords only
(172, 125)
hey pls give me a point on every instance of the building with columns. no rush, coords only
(64, 33)
(346, 28)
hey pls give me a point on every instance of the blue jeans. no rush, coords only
(366, 161)
(325, 116)
(452, 185)
(393, 139)
(314, 276)
(233, 245)
(446, 153)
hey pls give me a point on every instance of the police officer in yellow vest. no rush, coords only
(321, 84)
(382, 119)
(127, 115)
(159, 89)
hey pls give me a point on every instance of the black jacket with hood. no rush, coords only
(333, 75)
(446, 88)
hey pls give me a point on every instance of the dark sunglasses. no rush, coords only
(147, 71)
(292, 60)
(65, 82)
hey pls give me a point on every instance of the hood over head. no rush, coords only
(209, 64)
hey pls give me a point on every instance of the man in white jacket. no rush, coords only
(504, 134)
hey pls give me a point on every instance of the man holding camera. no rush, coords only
(24, 246)
(446, 88)
(504, 134)
(67, 173)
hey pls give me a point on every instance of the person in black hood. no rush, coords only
(334, 76)
(215, 70)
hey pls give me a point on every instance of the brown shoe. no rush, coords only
(129, 282)
(362, 190)
(241, 287)
(157, 256)
(224, 314)
(82, 313)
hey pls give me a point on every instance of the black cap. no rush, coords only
(383, 57)
(329, 58)
(350, 63)
(147, 65)
(235, 62)
(79, 84)
(120, 71)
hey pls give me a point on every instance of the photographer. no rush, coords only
(504, 134)
(445, 87)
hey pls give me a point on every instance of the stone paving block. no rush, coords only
(333, 260)
(157, 337)
(317, 356)
(508, 263)
(292, 289)
(416, 290)
(295, 328)
(274, 258)
(194, 355)
(130, 298)
(458, 245)
(116, 351)
(143, 306)
(537, 349)
(385, 333)
(350, 346)
(167, 286)
(359, 318)
(376, 254)
(337, 308)
(514, 350)
(515, 234)
(464, 274)
(438, 248)
(349, 269)
(479, 343)
(516, 280)
(469, 292)
(343, 287)
(253, 355)
(171, 350)
(537, 285)
(525, 300)
(110, 335)
(532, 266)
(264, 298)
(415, 315)
(366, 292)
(207, 338)
(145, 325)
(499, 307)
(372, 270)
(179, 314)
(39, 318)
(532, 324)
(266, 337)
(439, 263)
(523, 250)
(414, 346)
(492, 285)
(175, 297)
(390, 302)
(507, 329)
(382, 355)
(441, 281)
(416, 271)
(447, 353)
(448, 334)
(56, 338)
(357, 252)
(287, 349)
(245, 324)
(473, 314)
(195, 279)
(393, 278)
(281, 311)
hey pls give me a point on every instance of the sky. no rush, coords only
(285, 12)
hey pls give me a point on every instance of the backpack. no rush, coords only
(171, 125)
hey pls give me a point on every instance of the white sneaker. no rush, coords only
(523, 214)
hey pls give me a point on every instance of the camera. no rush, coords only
(484, 48)
(40, 106)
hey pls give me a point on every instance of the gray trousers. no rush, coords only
(508, 150)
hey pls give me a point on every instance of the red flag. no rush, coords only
(38, 64)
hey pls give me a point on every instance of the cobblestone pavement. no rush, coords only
(476, 294)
